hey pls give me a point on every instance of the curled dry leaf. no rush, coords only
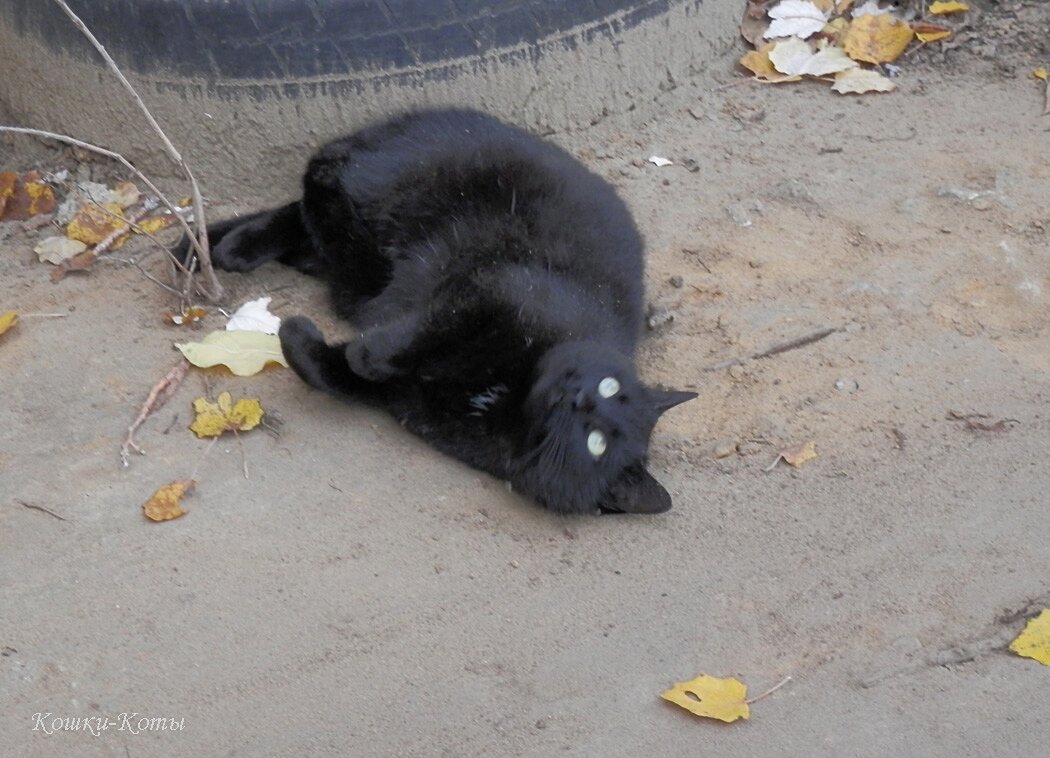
(254, 316)
(58, 249)
(711, 697)
(795, 58)
(858, 81)
(795, 18)
(243, 353)
(225, 416)
(164, 504)
(754, 23)
(796, 455)
(1034, 641)
(877, 39)
(7, 320)
(91, 224)
(939, 7)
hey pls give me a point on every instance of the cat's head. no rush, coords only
(590, 419)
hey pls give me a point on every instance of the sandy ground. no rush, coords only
(360, 594)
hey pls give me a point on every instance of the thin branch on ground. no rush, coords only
(780, 347)
(40, 508)
(160, 394)
(213, 290)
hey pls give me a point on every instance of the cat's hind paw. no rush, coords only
(364, 362)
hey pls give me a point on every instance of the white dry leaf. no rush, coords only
(857, 81)
(659, 162)
(870, 8)
(58, 249)
(795, 58)
(254, 316)
(795, 18)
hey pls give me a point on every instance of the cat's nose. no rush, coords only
(583, 401)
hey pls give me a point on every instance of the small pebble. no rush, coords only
(981, 204)
(847, 385)
(676, 282)
(736, 372)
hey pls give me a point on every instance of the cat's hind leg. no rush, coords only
(319, 364)
(373, 353)
(245, 243)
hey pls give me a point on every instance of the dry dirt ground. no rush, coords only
(360, 594)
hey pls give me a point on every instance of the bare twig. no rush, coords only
(201, 459)
(158, 396)
(780, 347)
(40, 508)
(214, 289)
(244, 455)
(768, 692)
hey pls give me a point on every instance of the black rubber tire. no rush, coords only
(281, 39)
(248, 88)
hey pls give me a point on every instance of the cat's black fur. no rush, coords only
(496, 283)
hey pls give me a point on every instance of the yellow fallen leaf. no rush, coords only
(244, 353)
(877, 39)
(948, 6)
(1040, 73)
(154, 224)
(708, 696)
(1034, 641)
(758, 63)
(91, 224)
(859, 80)
(225, 416)
(164, 504)
(928, 32)
(7, 320)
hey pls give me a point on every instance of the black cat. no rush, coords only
(497, 284)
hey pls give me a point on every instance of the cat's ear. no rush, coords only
(638, 492)
(665, 400)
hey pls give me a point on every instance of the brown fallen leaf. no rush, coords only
(164, 504)
(126, 194)
(82, 262)
(189, 317)
(25, 196)
(755, 22)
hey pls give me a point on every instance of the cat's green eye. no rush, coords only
(608, 387)
(596, 443)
